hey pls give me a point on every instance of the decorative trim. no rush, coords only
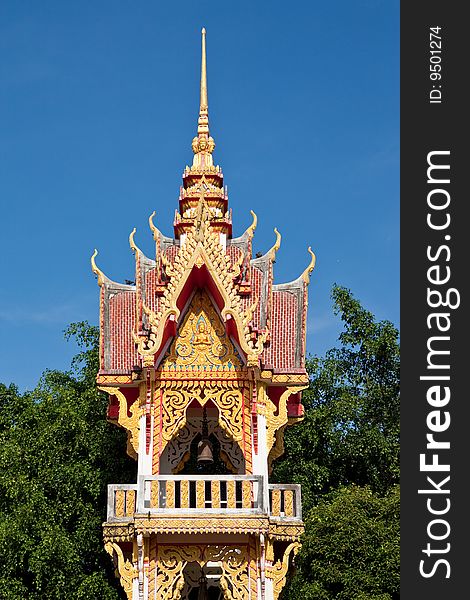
(276, 423)
(130, 424)
(283, 531)
(171, 562)
(108, 380)
(278, 572)
(125, 570)
(198, 525)
(115, 532)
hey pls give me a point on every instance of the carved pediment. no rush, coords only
(201, 343)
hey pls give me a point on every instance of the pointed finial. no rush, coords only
(203, 143)
(277, 245)
(98, 272)
(203, 103)
(251, 229)
(132, 243)
(306, 274)
(154, 229)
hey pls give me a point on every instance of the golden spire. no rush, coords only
(203, 143)
(203, 103)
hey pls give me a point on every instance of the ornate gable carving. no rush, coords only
(202, 342)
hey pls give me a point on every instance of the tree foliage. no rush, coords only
(57, 455)
(350, 550)
(345, 454)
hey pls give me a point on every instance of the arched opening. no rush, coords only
(180, 456)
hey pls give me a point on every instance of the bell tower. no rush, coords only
(203, 359)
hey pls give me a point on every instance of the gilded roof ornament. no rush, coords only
(132, 243)
(277, 245)
(101, 276)
(155, 231)
(251, 229)
(306, 274)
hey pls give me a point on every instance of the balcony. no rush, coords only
(194, 495)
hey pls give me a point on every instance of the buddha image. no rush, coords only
(201, 337)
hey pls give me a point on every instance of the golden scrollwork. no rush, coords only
(172, 561)
(235, 561)
(119, 499)
(276, 503)
(229, 404)
(125, 570)
(200, 494)
(278, 571)
(215, 494)
(185, 494)
(131, 424)
(276, 421)
(288, 503)
(170, 494)
(254, 565)
(174, 407)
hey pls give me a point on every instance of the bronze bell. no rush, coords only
(204, 448)
(204, 451)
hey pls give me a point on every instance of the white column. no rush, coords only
(268, 590)
(260, 460)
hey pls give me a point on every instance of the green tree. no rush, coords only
(57, 455)
(351, 548)
(345, 454)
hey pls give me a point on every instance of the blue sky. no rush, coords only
(98, 107)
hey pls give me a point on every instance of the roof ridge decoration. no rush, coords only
(97, 271)
(103, 279)
(132, 243)
(277, 244)
(250, 232)
(308, 271)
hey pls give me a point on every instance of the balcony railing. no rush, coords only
(210, 494)
(285, 501)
